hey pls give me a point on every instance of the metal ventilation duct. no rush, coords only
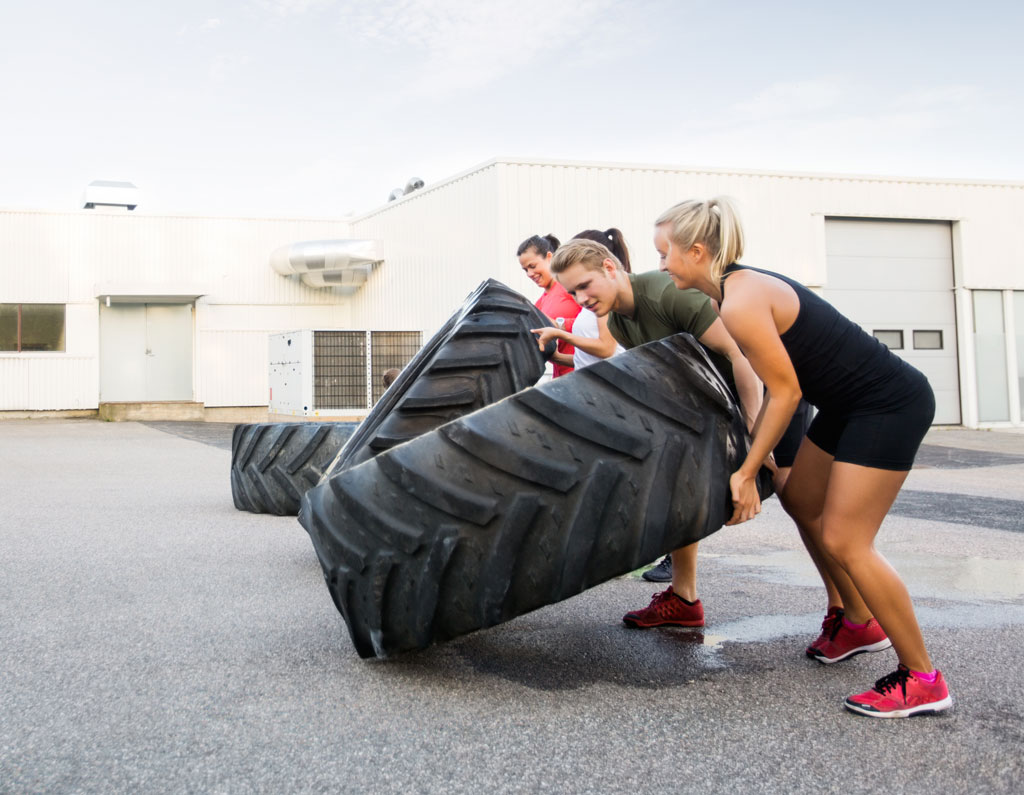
(342, 264)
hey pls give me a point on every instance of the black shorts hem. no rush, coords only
(883, 440)
(877, 463)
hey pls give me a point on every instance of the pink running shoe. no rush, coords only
(833, 618)
(902, 695)
(840, 642)
(666, 609)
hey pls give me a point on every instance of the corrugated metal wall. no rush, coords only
(783, 215)
(70, 257)
(48, 382)
(438, 245)
(441, 241)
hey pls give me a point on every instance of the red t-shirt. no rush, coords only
(557, 303)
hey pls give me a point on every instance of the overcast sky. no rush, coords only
(322, 107)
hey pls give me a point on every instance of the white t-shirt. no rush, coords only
(585, 325)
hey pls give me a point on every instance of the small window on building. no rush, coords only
(32, 327)
(891, 339)
(927, 340)
(8, 327)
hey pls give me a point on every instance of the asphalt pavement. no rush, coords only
(155, 639)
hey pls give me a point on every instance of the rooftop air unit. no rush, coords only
(104, 193)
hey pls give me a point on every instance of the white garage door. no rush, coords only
(895, 278)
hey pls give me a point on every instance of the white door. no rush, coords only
(895, 278)
(145, 352)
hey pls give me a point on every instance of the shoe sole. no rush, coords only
(924, 709)
(656, 579)
(639, 625)
(882, 645)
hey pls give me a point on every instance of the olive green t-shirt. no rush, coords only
(660, 310)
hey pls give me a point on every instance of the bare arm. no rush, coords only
(717, 338)
(603, 345)
(748, 317)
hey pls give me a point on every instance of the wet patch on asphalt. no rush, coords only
(992, 512)
(215, 434)
(946, 577)
(933, 456)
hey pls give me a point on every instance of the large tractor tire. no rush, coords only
(530, 501)
(274, 464)
(485, 352)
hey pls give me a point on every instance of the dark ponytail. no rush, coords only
(542, 244)
(614, 240)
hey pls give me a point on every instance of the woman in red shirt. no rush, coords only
(535, 255)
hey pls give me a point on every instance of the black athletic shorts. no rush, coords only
(885, 440)
(785, 450)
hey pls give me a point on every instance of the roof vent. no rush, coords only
(414, 183)
(104, 193)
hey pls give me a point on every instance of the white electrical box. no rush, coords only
(290, 392)
(333, 373)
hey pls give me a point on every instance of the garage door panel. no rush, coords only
(947, 406)
(888, 238)
(892, 273)
(905, 309)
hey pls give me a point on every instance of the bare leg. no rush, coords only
(779, 481)
(831, 592)
(684, 572)
(857, 500)
(803, 498)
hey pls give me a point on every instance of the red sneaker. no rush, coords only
(840, 642)
(901, 695)
(666, 609)
(829, 626)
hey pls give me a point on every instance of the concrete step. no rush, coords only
(157, 410)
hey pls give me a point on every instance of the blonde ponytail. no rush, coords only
(714, 223)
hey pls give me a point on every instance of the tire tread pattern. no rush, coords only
(274, 463)
(454, 531)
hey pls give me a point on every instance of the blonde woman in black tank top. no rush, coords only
(874, 410)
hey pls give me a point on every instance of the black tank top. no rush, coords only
(840, 366)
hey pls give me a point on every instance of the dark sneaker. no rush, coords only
(833, 618)
(660, 573)
(667, 609)
(841, 642)
(902, 695)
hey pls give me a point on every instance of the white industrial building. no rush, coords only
(110, 306)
